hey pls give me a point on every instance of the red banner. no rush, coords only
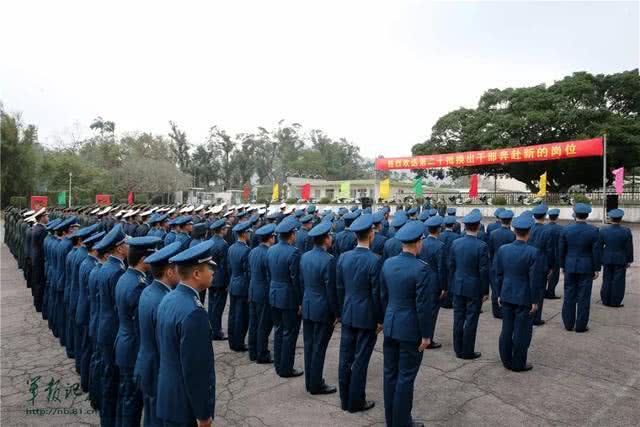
(531, 153)
(305, 192)
(473, 190)
(38, 202)
(245, 192)
(130, 198)
(103, 199)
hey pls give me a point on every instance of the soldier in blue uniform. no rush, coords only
(62, 250)
(127, 296)
(553, 230)
(345, 239)
(82, 312)
(184, 225)
(240, 276)
(170, 237)
(495, 225)
(580, 260)
(113, 242)
(432, 253)
(49, 241)
(539, 237)
(456, 225)
(186, 390)
(70, 270)
(260, 323)
(377, 245)
(165, 278)
(360, 312)
(392, 246)
(412, 213)
(198, 235)
(95, 362)
(497, 238)
(303, 242)
(447, 237)
(219, 289)
(469, 284)
(617, 255)
(517, 269)
(319, 306)
(285, 298)
(385, 222)
(37, 257)
(406, 286)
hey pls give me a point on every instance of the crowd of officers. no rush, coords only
(123, 289)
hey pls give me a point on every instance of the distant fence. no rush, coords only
(524, 198)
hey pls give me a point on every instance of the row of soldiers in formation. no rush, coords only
(140, 336)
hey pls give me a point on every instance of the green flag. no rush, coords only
(345, 190)
(62, 198)
(417, 187)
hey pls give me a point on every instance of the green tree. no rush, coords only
(180, 147)
(18, 153)
(579, 106)
(223, 145)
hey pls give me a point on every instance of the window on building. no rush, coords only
(329, 193)
(316, 194)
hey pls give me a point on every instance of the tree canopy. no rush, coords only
(579, 106)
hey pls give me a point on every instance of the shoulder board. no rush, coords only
(197, 301)
(423, 261)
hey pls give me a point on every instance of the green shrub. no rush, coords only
(580, 198)
(499, 201)
(292, 201)
(325, 200)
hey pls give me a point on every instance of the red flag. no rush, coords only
(130, 198)
(473, 190)
(306, 192)
(38, 202)
(103, 199)
(245, 192)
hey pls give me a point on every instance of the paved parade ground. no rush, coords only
(577, 379)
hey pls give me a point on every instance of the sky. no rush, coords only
(377, 73)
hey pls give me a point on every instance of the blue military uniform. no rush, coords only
(240, 276)
(346, 239)
(580, 258)
(260, 323)
(432, 253)
(219, 289)
(539, 237)
(170, 237)
(127, 296)
(303, 242)
(319, 309)
(63, 248)
(393, 246)
(108, 276)
(181, 236)
(518, 270)
(456, 225)
(285, 298)
(82, 312)
(553, 231)
(95, 362)
(469, 283)
(360, 308)
(148, 359)
(377, 246)
(406, 284)
(497, 238)
(186, 374)
(447, 237)
(495, 225)
(617, 254)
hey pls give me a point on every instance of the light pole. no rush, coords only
(70, 175)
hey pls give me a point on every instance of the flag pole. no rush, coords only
(604, 180)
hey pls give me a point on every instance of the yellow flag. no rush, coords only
(543, 185)
(345, 190)
(385, 188)
(276, 193)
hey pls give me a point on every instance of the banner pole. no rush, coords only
(604, 180)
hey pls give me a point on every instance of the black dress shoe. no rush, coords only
(582, 330)
(265, 361)
(475, 355)
(540, 323)
(526, 368)
(434, 345)
(220, 338)
(240, 349)
(552, 297)
(499, 316)
(368, 404)
(417, 424)
(326, 389)
(294, 373)
(568, 329)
